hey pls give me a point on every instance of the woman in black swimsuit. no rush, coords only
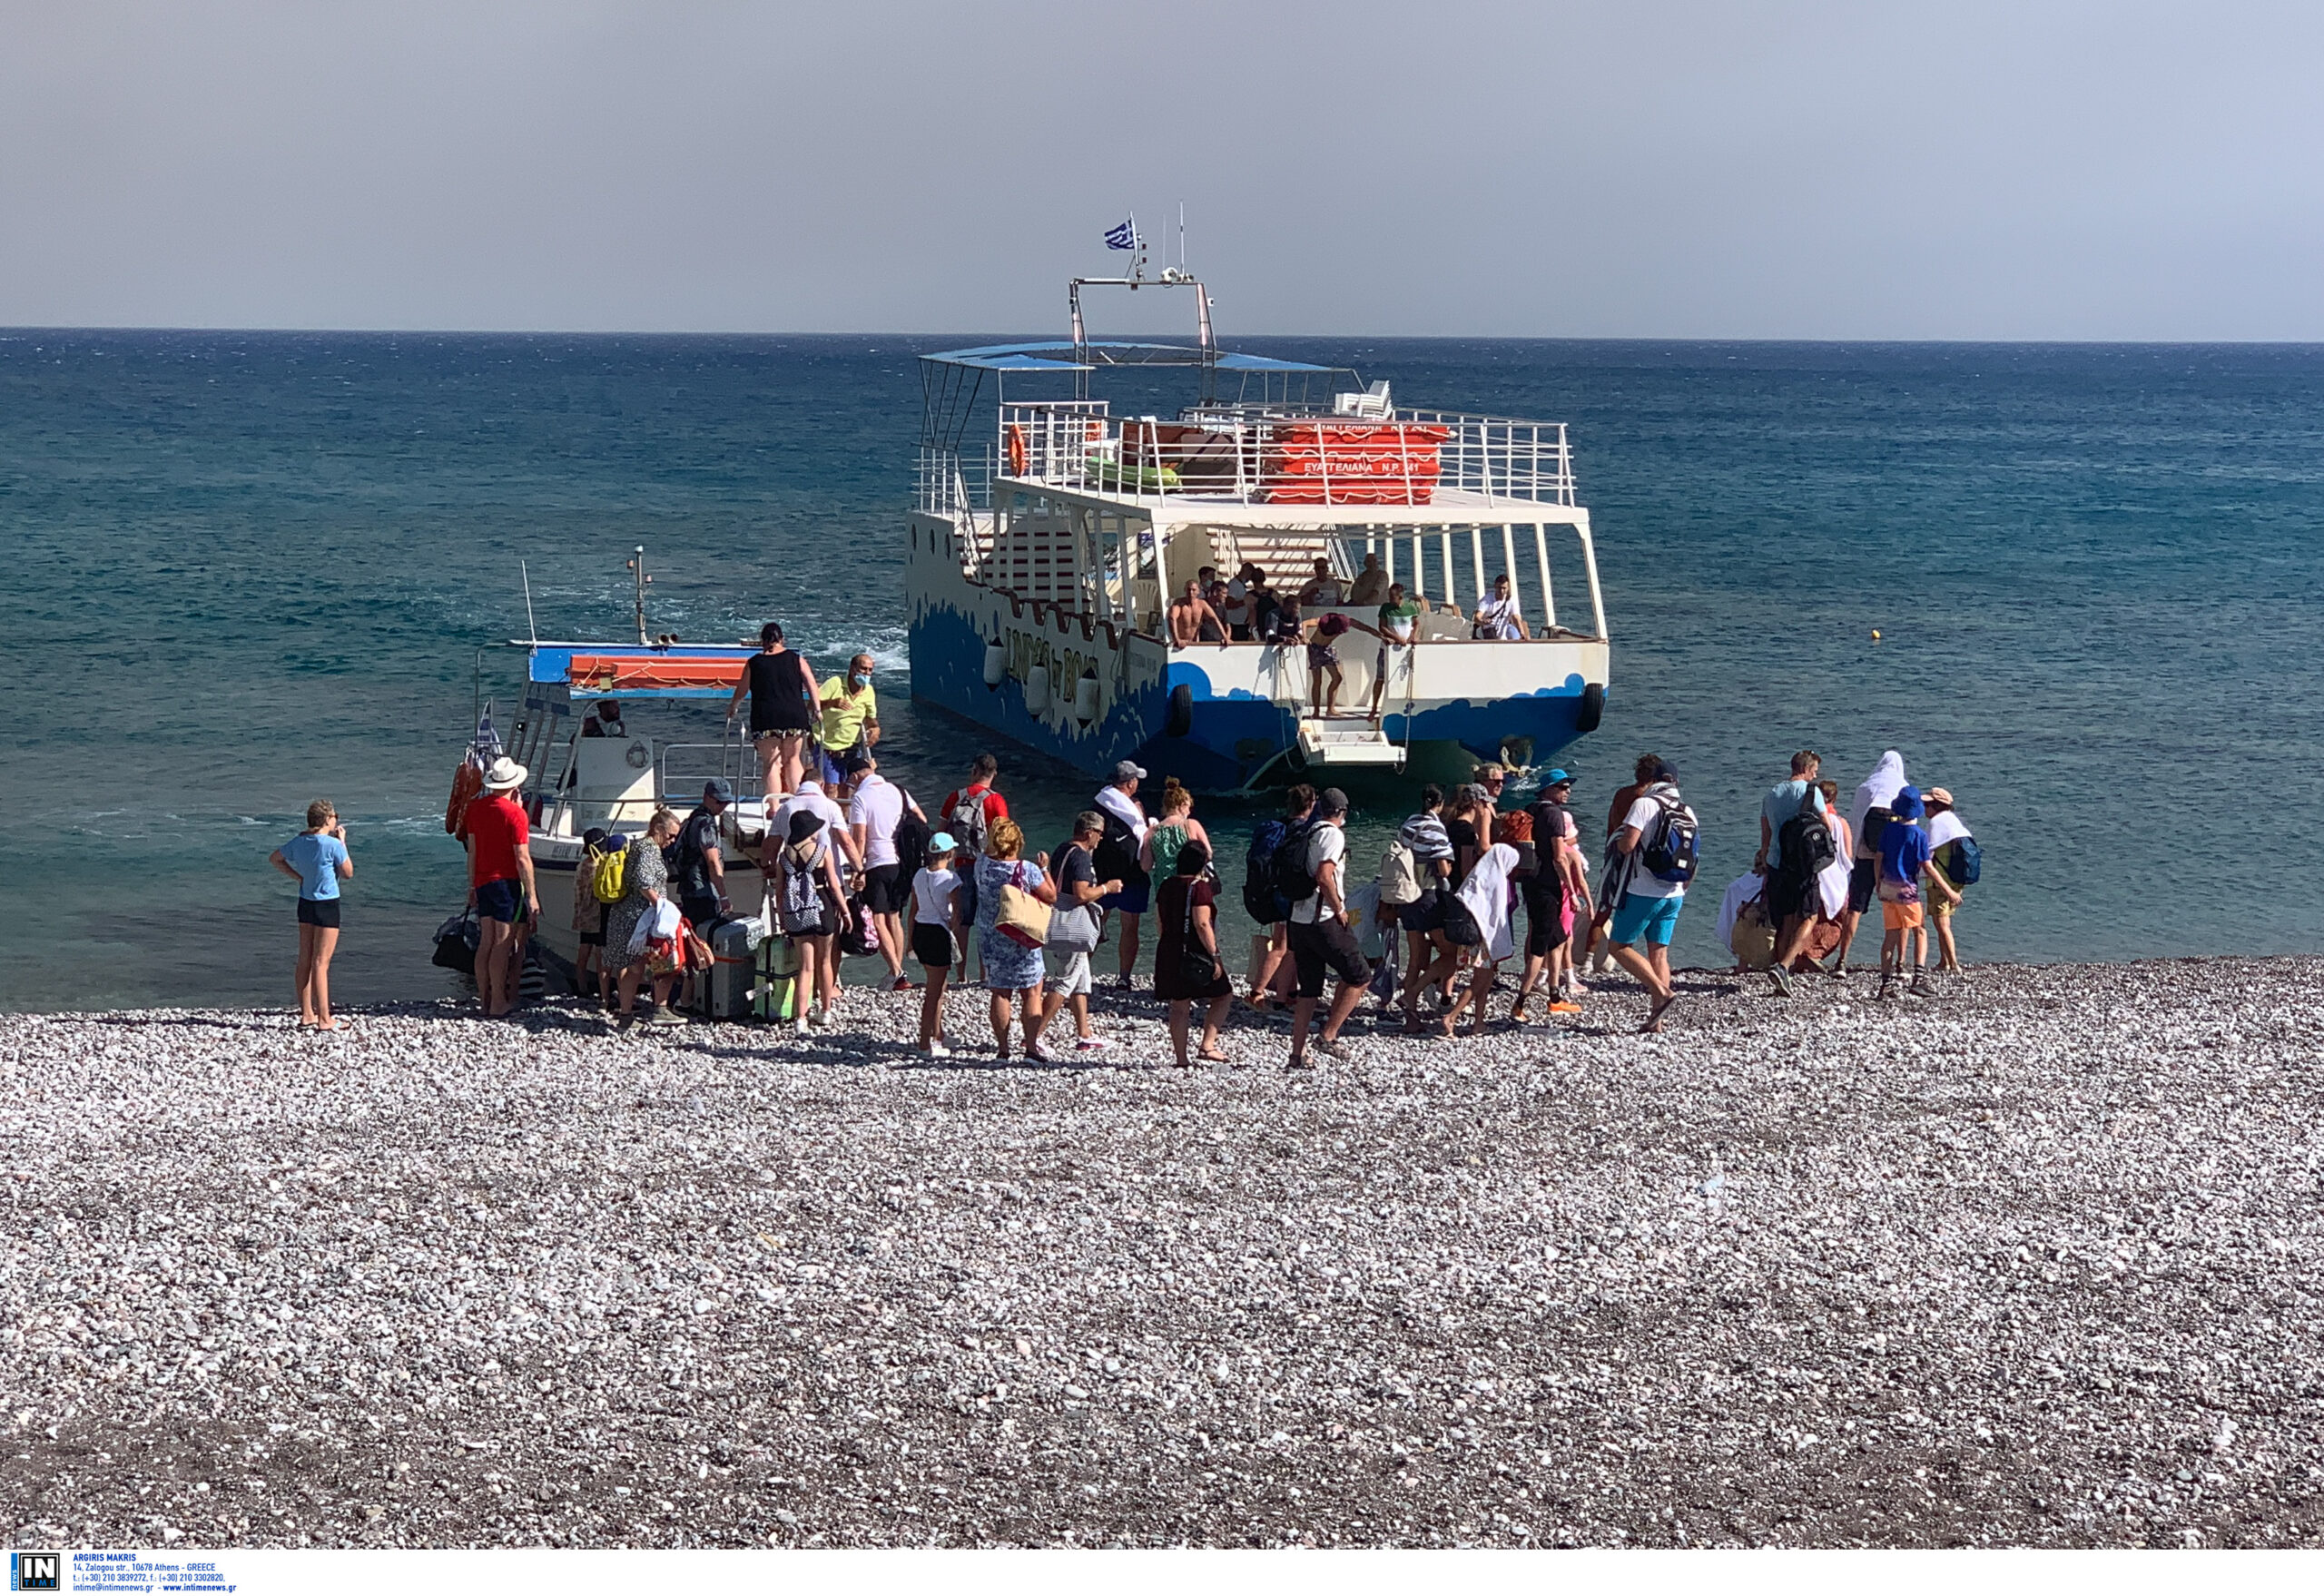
(782, 692)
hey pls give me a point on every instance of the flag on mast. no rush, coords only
(1124, 237)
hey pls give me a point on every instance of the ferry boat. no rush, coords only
(1050, 532)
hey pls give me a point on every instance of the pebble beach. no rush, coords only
(2038, 1263)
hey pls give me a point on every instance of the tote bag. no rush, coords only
(1020, 916)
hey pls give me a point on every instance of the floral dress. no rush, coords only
(1007, 968)
(644, 872)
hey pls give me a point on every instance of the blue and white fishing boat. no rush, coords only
(1050, 531)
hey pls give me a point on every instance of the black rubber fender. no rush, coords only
(1179, 719)
(1593, 708)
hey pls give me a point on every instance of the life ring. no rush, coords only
(1017, 450)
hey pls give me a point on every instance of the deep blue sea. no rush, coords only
(243, 570)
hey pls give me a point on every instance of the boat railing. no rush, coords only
(683, 769)
(954, 481)
(1269, 455)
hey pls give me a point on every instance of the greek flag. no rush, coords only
(1124, 237)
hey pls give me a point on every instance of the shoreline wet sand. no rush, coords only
(2040, 1263)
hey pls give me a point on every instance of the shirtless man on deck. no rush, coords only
(1188, 612)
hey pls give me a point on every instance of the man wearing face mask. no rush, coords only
(851, 715)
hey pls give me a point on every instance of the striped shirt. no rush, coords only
(1424, 835)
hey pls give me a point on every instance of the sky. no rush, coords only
(1780, 171)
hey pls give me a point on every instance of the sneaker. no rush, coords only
(1922, 987)
(902, 984)
(1837, 971)
(798, 1025)
(1782, 977)
(665, 1017)
(1091, 1044)
(936, 1049)
(1565, 1006)
(1887, 989)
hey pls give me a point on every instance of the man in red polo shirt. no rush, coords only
(500, 883)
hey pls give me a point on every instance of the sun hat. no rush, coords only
(1557, 778)
(505, 776)
(1937, 795)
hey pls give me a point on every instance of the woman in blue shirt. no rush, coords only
(316, 860)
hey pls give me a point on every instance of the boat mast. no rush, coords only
(637, 569)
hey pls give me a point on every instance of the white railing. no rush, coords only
(953, 482)
(1276, 455)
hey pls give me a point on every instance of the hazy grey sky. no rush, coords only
(1779, 170)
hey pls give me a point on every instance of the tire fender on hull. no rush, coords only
(1592, 710)
(1178, 719)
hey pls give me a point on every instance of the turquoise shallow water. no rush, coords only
(245, 570)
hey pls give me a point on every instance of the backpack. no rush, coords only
(1287, 870)
(911, 838)
(1875, 821)
(1670, 855)
(1258, 872)
(1115, 856)
(611, 883)
(803, 903)
(966, 821)
(1805, 843)
(1967, 861)
(1459, 926)
(1399, 875)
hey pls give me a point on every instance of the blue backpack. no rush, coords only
(1260, 900)
(1967, 861)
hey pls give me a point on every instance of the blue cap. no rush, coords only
(1557, 778)
(715, 791)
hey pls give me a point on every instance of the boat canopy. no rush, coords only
(613, 670)
(1064, 355)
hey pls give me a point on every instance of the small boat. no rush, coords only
(1049, 534)
(577, 781)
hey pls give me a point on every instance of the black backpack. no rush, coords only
(1805, 843)
(1287, 870)
(911, 838)
(1116, 855)
(1259, 900)
(1875, 821)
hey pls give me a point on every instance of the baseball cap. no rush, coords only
(1127, 771)
(1331, 801)
(941, 843)
(716, 791)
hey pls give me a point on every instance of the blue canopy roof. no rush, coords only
(1063, 355)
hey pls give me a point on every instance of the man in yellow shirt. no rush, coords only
(851, 710)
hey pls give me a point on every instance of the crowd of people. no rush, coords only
(853, 865)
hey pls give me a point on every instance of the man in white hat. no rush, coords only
(500, 864)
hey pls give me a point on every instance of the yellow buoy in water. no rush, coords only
(1876, 634)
